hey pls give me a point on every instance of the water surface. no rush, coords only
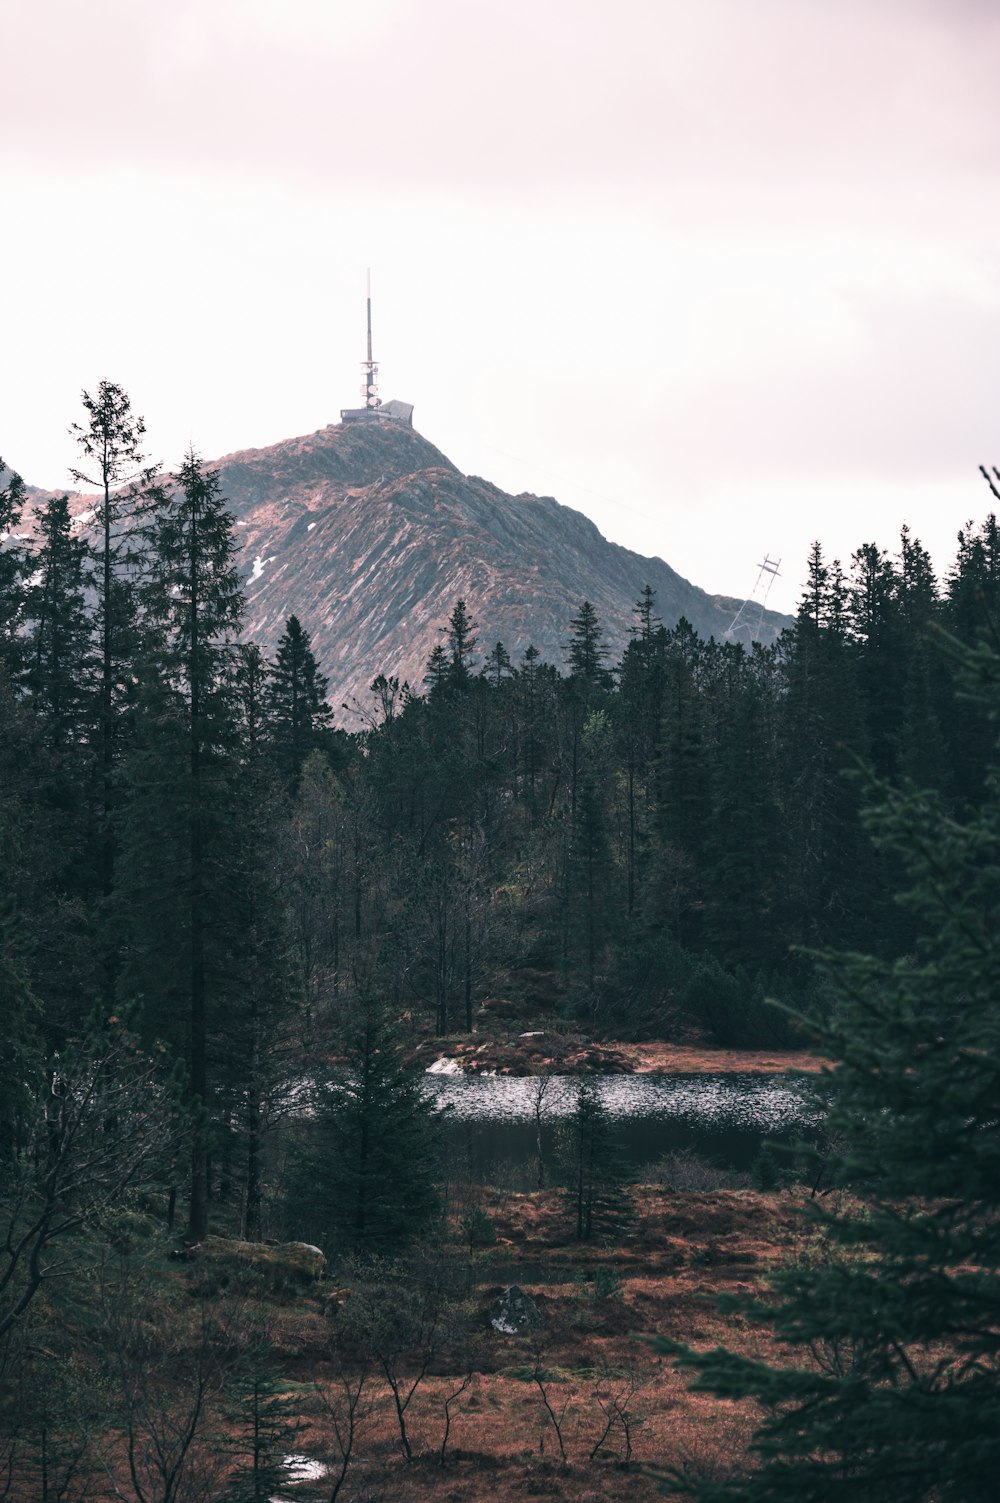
(725, 1118)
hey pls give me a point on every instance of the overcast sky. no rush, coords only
(724, 275)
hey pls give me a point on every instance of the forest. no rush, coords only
(233, 915)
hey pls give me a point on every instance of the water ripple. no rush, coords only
(763, 1104)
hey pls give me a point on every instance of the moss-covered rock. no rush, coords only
(297, 1262)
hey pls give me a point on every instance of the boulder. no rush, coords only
(300, 1261)
(515, 1312)
(444, 1066)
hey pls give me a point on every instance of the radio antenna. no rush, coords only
(370, 388)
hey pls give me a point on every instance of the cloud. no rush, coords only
(656, 95)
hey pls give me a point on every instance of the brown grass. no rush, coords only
(682, 1250)
(548, 1052)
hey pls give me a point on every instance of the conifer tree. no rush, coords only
(256, 1059)
(13, 568)
(266, 1422)
(20, 1042)
(296, 699)
(110, 440)
(594, 1173)
(498, 665)
(821, 734)
(587, 652)
(59, 653)
(590, 851)
(437, 673)
(903, 1403)
(529, 701)
(180, 818)
(461, 637)
(972, 605)
(372, 1174)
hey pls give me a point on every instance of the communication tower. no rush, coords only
(369, 388)
(746, 624)
(373, 408)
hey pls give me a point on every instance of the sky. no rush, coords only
(724, 276)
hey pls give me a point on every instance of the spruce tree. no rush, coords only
(13, 568)
(110, 441)
(461, 637)
(180, 819)
(369, 1184)
(902, 1401)
(256, 1060)
(595, 1189)
(587, 651)
(296, 700)
(59, 649)
(266, 1421)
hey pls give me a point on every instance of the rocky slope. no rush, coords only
(370, 534)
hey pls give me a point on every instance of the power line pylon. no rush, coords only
(746, 624)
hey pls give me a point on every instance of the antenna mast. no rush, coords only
(370, 388)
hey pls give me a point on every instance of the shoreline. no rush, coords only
(539, 1052)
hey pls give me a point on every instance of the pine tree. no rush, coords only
(742, 859)
(13, 568)
(498, 665)
(590, 847)
(880, 648)
(110, 441)
(266, 1421)
(902, 1404)
(587, 652)
(461, 637)
(593, 1169)
(821, 734)
(972, 606)
(372, 1173)
(20, 1042)
(683, 793)
(255, 1062)
(437, 674)
(59, 647)
(296, 698)
(183, 776)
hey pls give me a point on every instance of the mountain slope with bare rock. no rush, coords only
(370, 535)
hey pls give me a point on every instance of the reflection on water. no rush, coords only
(765, 1102)
(300, 1469)
(491, 1120)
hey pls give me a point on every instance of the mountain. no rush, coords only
(369, 534)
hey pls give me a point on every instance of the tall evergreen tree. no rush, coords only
(59, 655)
(184, 779)
(110, 441)
(461, 637)
(13, 567)
(593, 1167)
(372, 1174)
(296, 698)
(590, 848)
(587, 651)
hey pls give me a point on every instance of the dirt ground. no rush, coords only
(545, 1052)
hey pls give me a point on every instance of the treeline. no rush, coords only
(647, 848)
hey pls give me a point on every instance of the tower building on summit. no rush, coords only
(374, 409)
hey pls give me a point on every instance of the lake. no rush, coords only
(490, 1124)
